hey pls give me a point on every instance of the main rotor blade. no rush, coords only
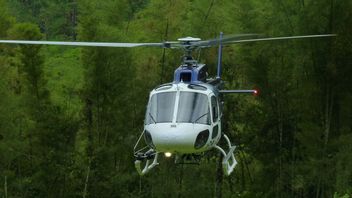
(226, 38)
(90, 44)
(230, 39)
(279, 38)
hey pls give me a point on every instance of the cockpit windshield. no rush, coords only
(193, 108)
(161, 108)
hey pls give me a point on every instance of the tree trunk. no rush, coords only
(164, 51)
(89, 120)
(180, 181)
(219, 177)
(208, 12)
(85, 190)
(5, 187)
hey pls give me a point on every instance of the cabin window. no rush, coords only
(193, 108)
(186, 77)
(161, 108)
(214, 108)
(202, 75)
(163, 87)
(197, 87)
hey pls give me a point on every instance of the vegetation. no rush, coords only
(69, 116)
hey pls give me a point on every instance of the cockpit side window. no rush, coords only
(193, 107)
(214, 108)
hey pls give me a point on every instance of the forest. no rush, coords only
(70, 116)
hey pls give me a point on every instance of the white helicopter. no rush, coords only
(183, 117)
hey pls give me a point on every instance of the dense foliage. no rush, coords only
(69, 116)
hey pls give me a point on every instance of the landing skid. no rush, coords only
(152, 160)
(229, 162)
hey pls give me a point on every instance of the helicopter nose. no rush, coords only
(179, 138)
(175, 141)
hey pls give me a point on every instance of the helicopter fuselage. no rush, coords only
(183, 118)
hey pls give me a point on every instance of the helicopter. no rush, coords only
(184, 117)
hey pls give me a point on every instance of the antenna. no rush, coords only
(218, 75)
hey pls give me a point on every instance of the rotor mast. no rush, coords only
(188, 47)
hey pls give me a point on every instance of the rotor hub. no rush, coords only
(189, 39)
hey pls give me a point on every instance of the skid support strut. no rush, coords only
(143, 154)
(229, 162)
